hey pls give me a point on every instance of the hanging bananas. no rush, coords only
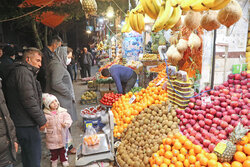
(151, 7)
(136, 21)
(175, 17)
(126, 27)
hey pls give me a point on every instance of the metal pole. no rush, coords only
(213, 60)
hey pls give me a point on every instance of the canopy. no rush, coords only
(49, 18)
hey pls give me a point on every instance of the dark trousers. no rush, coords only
(127, 86)
(86, 70)
(58, 153)
(30, 141)
(70, 70)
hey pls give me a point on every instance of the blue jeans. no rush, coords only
(74, 68)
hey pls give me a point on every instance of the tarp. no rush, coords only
(49, 18)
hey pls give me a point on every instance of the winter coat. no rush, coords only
(7, 134)
(59, 82)
(89, 59)
(24, 96)
(55, 132)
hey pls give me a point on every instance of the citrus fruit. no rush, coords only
(236, 164)
(246, 149)
(240, 156)
(192, 159)
(212, 163)
(246, 163)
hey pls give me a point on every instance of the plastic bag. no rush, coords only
(90, 137)
(67, 138)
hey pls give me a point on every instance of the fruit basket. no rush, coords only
(89, 97)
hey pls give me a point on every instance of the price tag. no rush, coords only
(206, 100)
(220, 148)
(132, 99)
(88, 124)
(160, 82)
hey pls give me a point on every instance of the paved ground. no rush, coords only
(77, 127)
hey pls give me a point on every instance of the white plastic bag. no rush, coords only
(90, 137)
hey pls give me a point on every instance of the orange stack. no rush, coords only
(178, 151)
(124, 112)
(159, 68)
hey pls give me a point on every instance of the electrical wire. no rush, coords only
(119, 7)
(18, 17)
(186, 97)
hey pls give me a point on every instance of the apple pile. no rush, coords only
(207, 123)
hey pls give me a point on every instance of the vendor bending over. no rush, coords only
(124, 77)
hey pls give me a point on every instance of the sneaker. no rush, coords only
(65, 163)
(54, 163)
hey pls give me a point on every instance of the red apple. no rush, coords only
(224, 124)
(227, 118)
(211, 147)
(200, 117)
(237, 77)
(235, 117)
(208, 122)
(206, 143)
(201, 123)
(219, 114)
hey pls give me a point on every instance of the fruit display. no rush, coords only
(211, 118)
(109, 98)
(144, 135)
(150, 57)
(105, 80)
(159, 68)
(136, 19)
(126, 27)
(88, 97)
(136, 89)
(89, 78)
(124, 110)
(91, 140)
(100, 46)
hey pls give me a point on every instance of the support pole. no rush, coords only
(213, 60)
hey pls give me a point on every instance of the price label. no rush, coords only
(132, 99)
(160, 82)
(88, 124)
(206, 100)
(220, 148)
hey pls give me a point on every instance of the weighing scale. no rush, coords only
(103, 151)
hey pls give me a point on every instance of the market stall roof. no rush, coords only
(49, 18)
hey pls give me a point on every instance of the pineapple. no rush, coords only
(89, 6)
(226, 149)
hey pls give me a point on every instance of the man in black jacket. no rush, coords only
(23, 95)
(86, 62)
(48, 54)
(8, 145)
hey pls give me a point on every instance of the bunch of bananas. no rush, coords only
(100, 46)
(199, 5)
(168, 16)
(136, 19)
(126, 27)
(151, 7)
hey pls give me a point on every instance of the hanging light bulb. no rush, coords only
(110, 12)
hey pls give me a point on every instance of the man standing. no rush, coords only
(124, 77)
(8, 145)
(48, 54)
(86, 62)
(23, 95)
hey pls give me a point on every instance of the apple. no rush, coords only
(243, 82)
(231, 112)
(198, 136)
(226, 84)
(191, 105)
(234, 117)
(244, 121)
(197, 127)
(234, 104)
(217, 108)
(212, 111)
(216, 132)
(200, 117)
(216, 120)
(192, 139)
(212, 139)
(198, 102)
(207, 127)
(223, 132)
(237, 77)
(212, 130)
(223, 104)
(230, 82)
(196, 107)
(211, 147)
(224, 124)
(221, 136)
(209, 116)
(209, 105)
(192, 122)
(229, 129)
(206, 143)
(216, 102)
(192, 100)
(195, 117)
(214, 125)
(188, 126)
(227, 118)
(208, 122)
(243, 73)
(216, 93)
(201, 123)
(193, 133)
(219, 114)
(203, 107)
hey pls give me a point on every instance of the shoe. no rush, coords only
(72, 151)
(65, 163)
(54, 163)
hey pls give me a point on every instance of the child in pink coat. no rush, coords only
(58, 122)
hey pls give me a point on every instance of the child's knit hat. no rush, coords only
(48, 99)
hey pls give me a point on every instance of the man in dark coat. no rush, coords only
(48, 54)
(7, 60)
(8, 145)
(24, 100)
(86, 62)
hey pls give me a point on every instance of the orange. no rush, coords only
(175, 152)
(204, 161)
(180, 157)
(246, 149)
(154, 165)
(191, 152)
(161, 146)
(219, 164)
(161, 152)
(168, 141)
(199, 156)
(244, 140)
(182, 139)
(248, 157)
(226, 164)
(171, 165)
(159, 160)
(155, 155)
(246, 163)
(164, 165)
(177, 145)
(168, 154)
(239, 147)
(236, 164)
(212, 163)
(179, 164)
(240, 156)
(183, 151)
(248, 136)
(212, 156)
(177, 135)
(188, 144)
(192, 159)
(166, 161)
(197, 149)
(174, 160)
(197, 164)
(167, 148)
(186, 163)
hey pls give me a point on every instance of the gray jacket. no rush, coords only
(59, 82)
(7, 133)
